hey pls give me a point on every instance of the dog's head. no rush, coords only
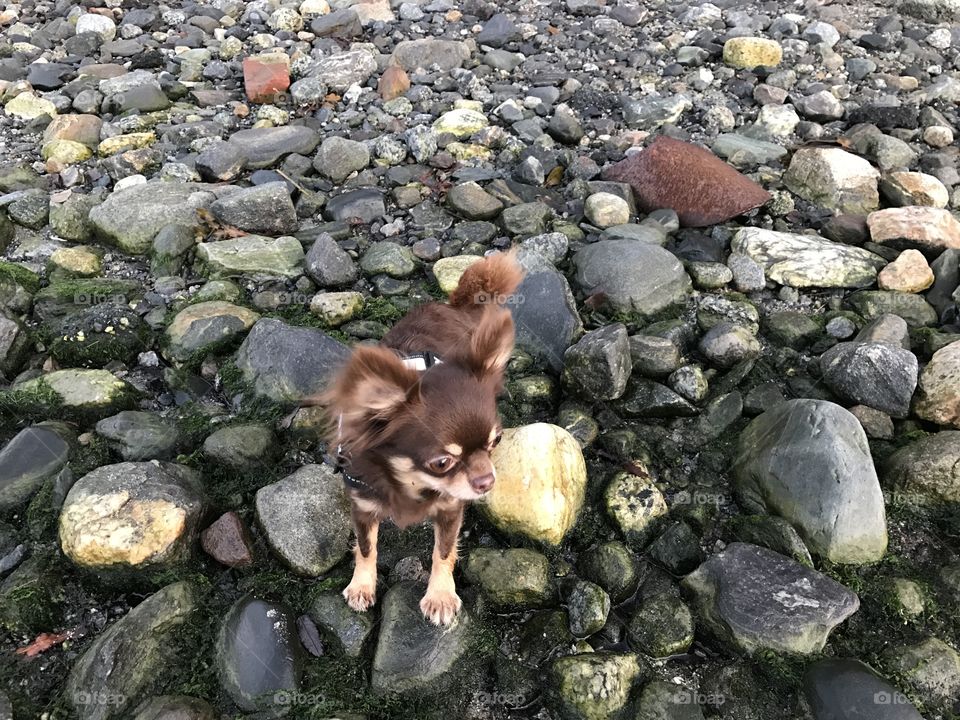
(434, 430)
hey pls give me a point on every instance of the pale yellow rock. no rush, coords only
(103, 530)
(449, 270)
(462, 123)
(541, 482)
(751, 52)
(470, 151)
(122, 143)
(67, 152)
(635, 504)
(336, 308)
(314, 7)
(75, 261)
(28, 106)
(909, 273)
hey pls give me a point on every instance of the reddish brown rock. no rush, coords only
(266, 76)
(393, 83)
(928, 229)
(701, 188)
(227, 541)
(84, 129)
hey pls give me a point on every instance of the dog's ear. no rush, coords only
(376, 384)
(491, 342)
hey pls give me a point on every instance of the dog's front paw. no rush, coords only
(360, 596)
(440, 606)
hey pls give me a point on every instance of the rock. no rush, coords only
(265, 209)
(931, 10)
(263, 147)
(342, 23)
(393, 83)
(288, 364)
(241, 447)
(349, 629)
(28, 106)
(79, 393)
(635, 505)
(252, 254)
(606, 210)
(834, 178)
(33, 457)
(593, 686)
(653, 356)
(773, 533)
(328, 264)
(137, 436)
(649, 113)
(175, 707)
(702, 189)
(807, 260)
(461, 123)
(821, 106)
(742, 150)
(637, 277)
(14, 344)
(645, 398)
(510, 579)
(412, 654)
(877, 425)
(546, 321)
(306, 519)
(613, 567)
(526, 220)
(871, 304)
(341, 71)
(364, 206)
(928, 229)
(751, 52)
(228, 541)
(541, 480)
(938, 391)
(931, 666)
(206, 327)
(926, 470)
(748, 276)
(663, 626)
(753, 599)
(336, 308)
(99, 24)
(472, 202)
(132, 514)
(588, 606)
(124, 661)
(832, 496)
(727, 344)
(427, 53)
(878, 375)
(266, 76)
(908, 273)
(130, 218)
(914, 188)
(849, 684)
(338, 158)
(388, 258)
(598, 366)
(449, 270)
(661, 700)
(259, 658)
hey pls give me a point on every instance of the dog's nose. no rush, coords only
(483, 483)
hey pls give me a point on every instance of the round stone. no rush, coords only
(606, 210)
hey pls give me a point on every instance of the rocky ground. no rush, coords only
(731, 487)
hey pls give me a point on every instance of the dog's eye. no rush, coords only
(441, 464)
(497, 439)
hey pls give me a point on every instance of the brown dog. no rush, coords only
(414, 420)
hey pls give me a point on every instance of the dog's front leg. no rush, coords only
(441, 603)
(361, 593)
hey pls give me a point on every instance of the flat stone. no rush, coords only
(751, 52)
(754, 599)
(263, 147)
(265, 209)
(253, 255)
(427, 53)
(341, 71)
(512, 578)
(847, 689)
(137, 436)
(928, 229)
(914, 188)
(34, 456)
(206, 327)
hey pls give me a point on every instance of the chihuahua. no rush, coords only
(414, 420)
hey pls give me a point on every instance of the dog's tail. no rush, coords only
(491, 280)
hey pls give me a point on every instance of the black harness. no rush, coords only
(417, 361)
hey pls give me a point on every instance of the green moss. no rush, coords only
(19, 407)
(380, 309)
(27, 279)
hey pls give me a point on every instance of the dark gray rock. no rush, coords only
(847, 689)
(364, 205)
(336, 619)
(127, 658)
(927, 470)
(288, 364)
(809, 461)
(598, 366)
(754, 599)
(263, 147)
(878, 375)
(259, 657)
(306, 519)
(646, 398)
(34, 456)
(264, 209)
(140, 435)
(175, 707)
(241, 447)
(328, 264)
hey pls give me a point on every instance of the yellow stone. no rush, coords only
(635, 504)
(122, 143)
(75, 261)
(28, 106)
(541, 483)
(751, 52)
(469, 151)
(449, 270)
(67, 152)
(335, 308)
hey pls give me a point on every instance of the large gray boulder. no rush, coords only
(809, 462)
